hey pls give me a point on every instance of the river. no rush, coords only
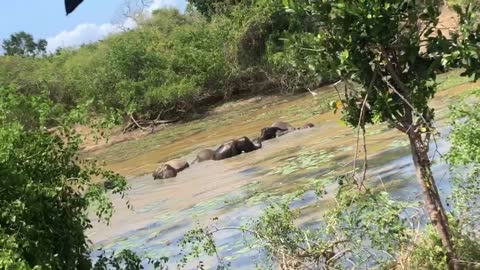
(236, 190)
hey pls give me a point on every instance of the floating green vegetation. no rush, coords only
(398, 143)
(376, 130)
(451, 79)
(305, 160)
(297, 111)
(344, 149)
(318, 184)
(150, 207)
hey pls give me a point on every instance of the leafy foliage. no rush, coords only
(209, 8)
(23, 44)
(46, 189)
(127, 260)
(393, 50)
(359, 231)
(465, 164)
(172, 65)
(427, 254)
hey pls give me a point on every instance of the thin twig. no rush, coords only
(365, 160)
(361, 125)
(338, 255)
(404, 99)
(136, 123)
(383, 184)
(338, 93)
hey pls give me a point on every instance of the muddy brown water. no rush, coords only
(237, 189)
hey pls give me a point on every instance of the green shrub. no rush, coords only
(427, 252)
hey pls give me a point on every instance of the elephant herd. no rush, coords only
(228, 149)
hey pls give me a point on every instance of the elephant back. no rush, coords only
(178, 164)
(244, 144)
(226, 150)
(283, 125)
(203, 155)
(164, 171)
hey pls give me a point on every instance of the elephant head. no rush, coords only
(164, 171)
(269, 133)
(244, 144)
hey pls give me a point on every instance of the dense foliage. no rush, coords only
(466, 163)
(394, 51)
(170, 66)
(45, 189)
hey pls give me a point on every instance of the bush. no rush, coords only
(172, 64)
(45, 189)
(427, 252)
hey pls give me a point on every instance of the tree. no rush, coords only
(23, 44)
(394, 49)
(209, 8)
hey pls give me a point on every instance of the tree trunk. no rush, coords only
(430, 193)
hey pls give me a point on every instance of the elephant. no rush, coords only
(270, 133)
(203, 155)
(164, 171)
(278, 129)
(236, 147)
(178, 164)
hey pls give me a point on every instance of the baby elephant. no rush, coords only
(203, 155)
(170, 169)
(236, 147)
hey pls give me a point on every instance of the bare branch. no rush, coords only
(136, 123)
(404, 100)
